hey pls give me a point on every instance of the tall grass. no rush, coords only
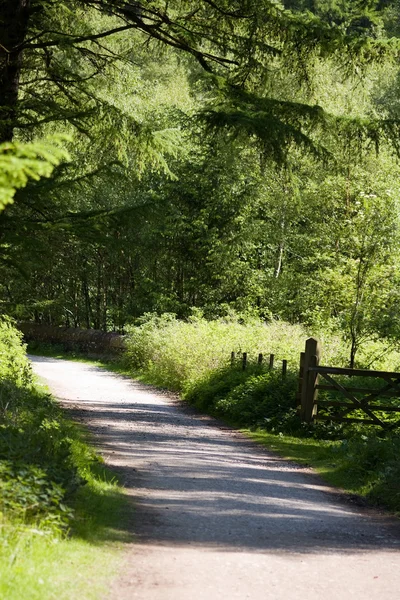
(178, 353)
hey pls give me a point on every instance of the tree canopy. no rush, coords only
(52, 53)
(209, 154)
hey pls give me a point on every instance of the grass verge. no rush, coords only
(323, 456)
(39, 565)
(43, 564)
(365, 465)
(63, 515)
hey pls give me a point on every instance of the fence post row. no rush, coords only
(310, 374)
(309, 380)
(260, 360)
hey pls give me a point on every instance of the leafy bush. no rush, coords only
(177, 354)
(27, 492)
(39, 466)
(261, 400)
(216, 386)
(371, 459)
(14, 365)
(250, 398)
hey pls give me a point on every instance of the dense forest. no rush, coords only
(163, 156)
(218, 180)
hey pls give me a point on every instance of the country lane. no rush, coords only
(216, 517)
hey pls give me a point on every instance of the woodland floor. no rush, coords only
(216, 517)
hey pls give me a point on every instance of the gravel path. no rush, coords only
(216, 517)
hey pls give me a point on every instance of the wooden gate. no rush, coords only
(365, 401)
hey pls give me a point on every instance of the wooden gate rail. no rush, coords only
(311, 373)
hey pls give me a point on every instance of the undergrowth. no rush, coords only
(194, 358)
(57, 501)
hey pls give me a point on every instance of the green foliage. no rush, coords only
(44, 462)
(28, 495)
(14, 365)
(371, 453)
(384, 485)
(178, 354)
(358, 458)
(39, 561)
(250, 398)
(41, 456)
(158, 210)
(22, 162)
(210, 390)
(35, 456)
(370, 461)
(265, 399)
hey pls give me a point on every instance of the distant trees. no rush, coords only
(219, 155)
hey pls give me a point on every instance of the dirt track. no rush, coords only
(218, 518)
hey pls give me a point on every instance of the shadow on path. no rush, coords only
(195, 484)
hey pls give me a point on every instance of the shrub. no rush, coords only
(263, 399)
(178, 354)
(204, 394)
(14, 365)
(372, 457)
(29, 495)
(39, 469)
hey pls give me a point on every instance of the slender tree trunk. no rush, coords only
(281, 249)
(88, 307)
(14, 17)
(104, 307)
(97, 318)
(279, 260)
(180, 282)
(353, 350)
(356, 321)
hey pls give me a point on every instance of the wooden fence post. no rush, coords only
(284, 369)
(260, 359)
(233, 356)
(271, 361)
(308, 392)
(301, 381)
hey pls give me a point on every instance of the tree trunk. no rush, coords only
(280, 250)
(14, 17)
(279, 260)
(88, 307)
(353, 351)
